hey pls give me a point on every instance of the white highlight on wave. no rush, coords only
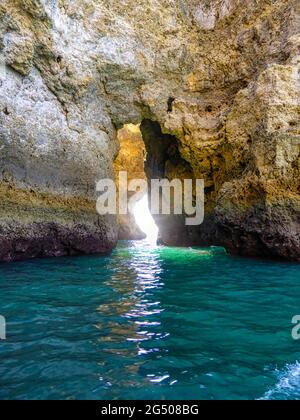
(288, 385)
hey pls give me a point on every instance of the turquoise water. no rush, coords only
(150, 323)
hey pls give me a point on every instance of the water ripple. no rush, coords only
(149, 323)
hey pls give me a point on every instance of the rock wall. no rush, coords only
(220, 76)
(56, 139)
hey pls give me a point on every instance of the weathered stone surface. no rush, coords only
(220, 76)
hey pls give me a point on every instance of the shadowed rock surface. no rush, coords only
(221, 77)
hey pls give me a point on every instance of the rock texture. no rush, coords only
(130, 159)
(56, 141)
(221, 77)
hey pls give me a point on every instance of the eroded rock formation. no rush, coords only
(222, 77)
(130, 159)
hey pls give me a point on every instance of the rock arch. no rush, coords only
(74, 72)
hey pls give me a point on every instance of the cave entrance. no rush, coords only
(138, 224)
(145, 221)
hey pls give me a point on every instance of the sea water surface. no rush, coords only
(150, 323)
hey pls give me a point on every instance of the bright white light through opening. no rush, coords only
(145, 220)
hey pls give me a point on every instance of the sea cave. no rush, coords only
(149, 201)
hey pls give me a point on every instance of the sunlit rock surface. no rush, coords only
(130, 160)
(221, 77)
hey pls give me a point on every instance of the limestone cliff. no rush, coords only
(219, 78)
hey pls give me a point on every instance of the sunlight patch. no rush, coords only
(145, 220)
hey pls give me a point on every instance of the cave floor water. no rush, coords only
(150, 323)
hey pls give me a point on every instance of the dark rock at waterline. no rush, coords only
(255, 233)
(19, 242)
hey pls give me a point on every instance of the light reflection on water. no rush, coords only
(136, 283)
(149, 323)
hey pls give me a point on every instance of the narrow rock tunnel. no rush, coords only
(164, 161)
(146, 153)
(130, 159)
